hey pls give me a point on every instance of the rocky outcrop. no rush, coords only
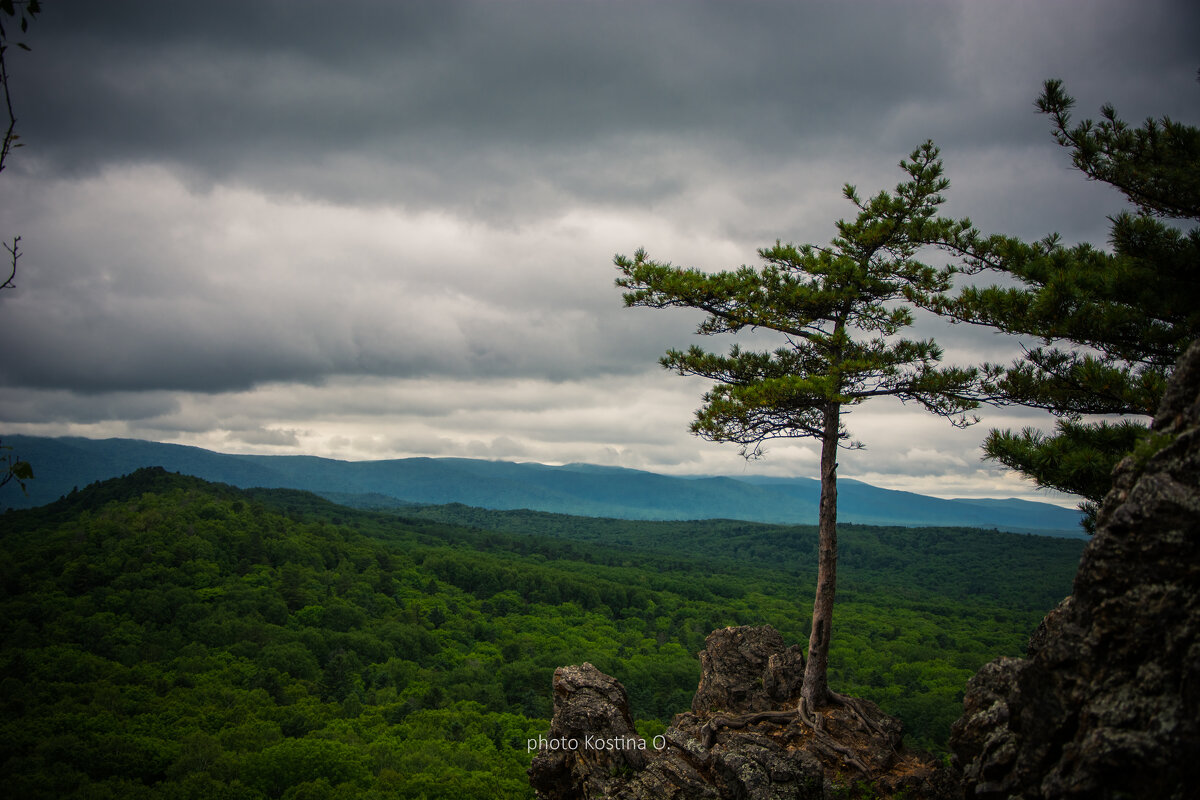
(748, 669)
(592, 743)
(742, 739)
(1107, 703)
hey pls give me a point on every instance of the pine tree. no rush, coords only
(839, 309)
(1111, 324)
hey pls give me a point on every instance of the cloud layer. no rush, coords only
(382, 229)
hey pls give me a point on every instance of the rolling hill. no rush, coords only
(63, 464)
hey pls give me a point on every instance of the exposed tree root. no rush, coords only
(855, 706)
(709, 731)
(824, 742)
(812, 719)
(805, 717)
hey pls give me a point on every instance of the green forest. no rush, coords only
(168, 637)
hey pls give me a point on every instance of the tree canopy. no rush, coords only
(840, 309)
(1111, 323)
(162, 636)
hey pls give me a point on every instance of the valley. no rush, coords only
(168, 636)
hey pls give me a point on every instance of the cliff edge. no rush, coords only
(1107, 703)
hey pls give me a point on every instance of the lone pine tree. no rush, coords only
(839, 309)
(1111, 324)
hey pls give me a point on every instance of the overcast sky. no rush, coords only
(385, 229)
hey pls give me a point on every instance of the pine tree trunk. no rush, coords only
(815, 690)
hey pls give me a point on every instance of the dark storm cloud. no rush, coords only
(446, 101)
(228, 205)
(61, 406)
(509, 110)
(528, 72)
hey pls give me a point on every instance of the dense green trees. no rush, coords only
(165, 637)
(1112, 324)
(838, 309)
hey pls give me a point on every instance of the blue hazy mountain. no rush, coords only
(62, 464)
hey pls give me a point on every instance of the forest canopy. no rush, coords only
(168, 637)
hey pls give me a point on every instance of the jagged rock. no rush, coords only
(1107, 704)
(747, 669)
(1050, 626)
(591, 741)
(743, 739)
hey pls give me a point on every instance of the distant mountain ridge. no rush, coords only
(62, 464)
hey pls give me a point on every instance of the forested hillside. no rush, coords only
(580, 489)
(167, 637)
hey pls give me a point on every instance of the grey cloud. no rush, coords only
(296, 224)
(502, 447)
(462, 101)
(264, 436)
(505, 110)
(211, 349)
(24, 406)
(531, 73)
(134, 281)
